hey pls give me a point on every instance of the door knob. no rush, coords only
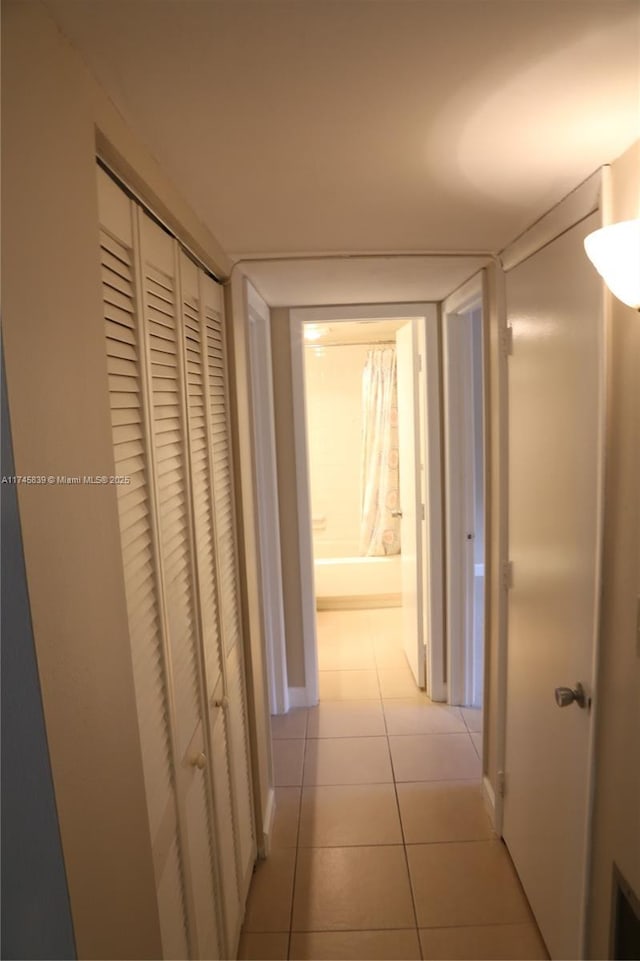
(396, 513)
(567, 695)
(199, 761)
(222, 702)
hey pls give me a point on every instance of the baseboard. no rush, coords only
(269, 814)
(358, 602)
(489, 797)
(298, 697)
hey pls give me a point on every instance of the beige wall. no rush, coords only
(333, 387)
(617, 790)
(57, 383)
(287, 497)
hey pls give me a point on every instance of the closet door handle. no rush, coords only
(222, 702)
(396, 513)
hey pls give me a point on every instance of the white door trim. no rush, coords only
(298, 316)
(459, 510)
(434, 573)
(309, 694)
(266, 492)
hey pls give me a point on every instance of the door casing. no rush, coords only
(459, 435)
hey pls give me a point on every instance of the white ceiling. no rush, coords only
(368, 125)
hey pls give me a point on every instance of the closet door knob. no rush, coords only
(200, 761)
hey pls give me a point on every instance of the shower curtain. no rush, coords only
(379, 530)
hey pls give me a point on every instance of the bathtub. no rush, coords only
(344, 582)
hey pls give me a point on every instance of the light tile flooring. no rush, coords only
(381, 847)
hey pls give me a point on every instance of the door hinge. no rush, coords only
(507, 575)
(419, 363)
(501, 784)
(424, 516)
(507, 340)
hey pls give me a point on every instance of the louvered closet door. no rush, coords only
(227, 567)
(159, 270)
(171, 435)
(203, 509)
(124, 343)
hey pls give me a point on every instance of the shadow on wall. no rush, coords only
(36, 917)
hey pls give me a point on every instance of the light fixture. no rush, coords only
(313, 332)
(615, 253)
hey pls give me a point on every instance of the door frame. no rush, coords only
(458, 423)
(258, 318)
(431, 528)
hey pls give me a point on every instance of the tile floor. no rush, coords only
(381, 847)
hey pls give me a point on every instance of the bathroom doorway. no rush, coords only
(366, 416)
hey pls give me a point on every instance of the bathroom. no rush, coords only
(351, 401)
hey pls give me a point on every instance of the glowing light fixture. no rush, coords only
(615, 253)
(311, 332)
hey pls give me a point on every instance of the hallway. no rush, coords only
(381, 847)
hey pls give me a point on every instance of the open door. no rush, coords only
(411, 509)
(464, 469)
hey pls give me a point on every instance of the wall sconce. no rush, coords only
(615, 253)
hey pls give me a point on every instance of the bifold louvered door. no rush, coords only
(190, 700)
(226, 553)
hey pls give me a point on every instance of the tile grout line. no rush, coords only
(297, 848)
(404, 843)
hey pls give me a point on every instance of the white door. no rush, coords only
(555, 391)
(410, 505)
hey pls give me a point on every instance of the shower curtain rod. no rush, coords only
(355, 343)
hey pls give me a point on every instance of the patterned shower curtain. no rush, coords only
(379, 531)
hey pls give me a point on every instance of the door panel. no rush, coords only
(167, 368)
(555, 384)
(224, 817)
(409, 444)
(199, 831)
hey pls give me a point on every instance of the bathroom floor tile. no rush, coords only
(443, 811)
(288, 756)
(465, 883)
(341, 815)
(350, 626)
(348, 685)
(348, 656)
(346, 719)
(348, 760)
(434, 757)
(352, 888)
(263, 946)
(290, 725)
(500, 942)
(389, 656)
(355, 945)
(472, 718)
(284, 830)
(386, 624)
(421, 716)
(476, 740)
(269, 903)
(397, 682)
